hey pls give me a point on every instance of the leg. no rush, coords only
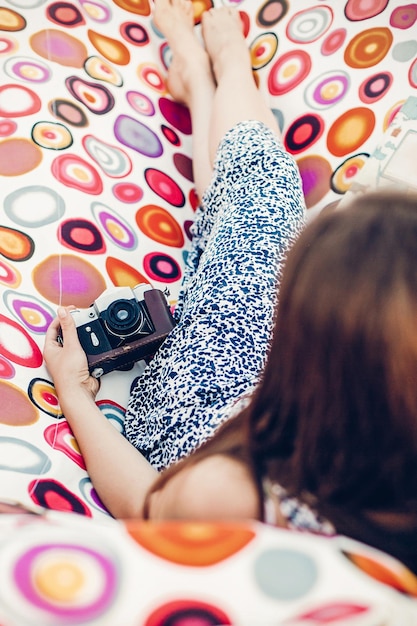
(216, 353)
(190, 79)
(214, 110)
(237, 97)
(253, 210)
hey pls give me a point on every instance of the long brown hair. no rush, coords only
(335, 414)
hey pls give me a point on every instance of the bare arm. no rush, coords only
(215, 488)
(119, 473)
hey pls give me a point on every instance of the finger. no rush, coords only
(53, 330)
(67, 324)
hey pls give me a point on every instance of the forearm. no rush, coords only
(120, 474)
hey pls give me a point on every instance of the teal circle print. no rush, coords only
(285, 574)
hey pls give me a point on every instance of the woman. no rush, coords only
(328, 440)
(252, 210)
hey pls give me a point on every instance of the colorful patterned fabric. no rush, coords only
(97, 191)
(66, 569)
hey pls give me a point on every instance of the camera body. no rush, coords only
(123, 326)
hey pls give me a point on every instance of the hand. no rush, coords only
(66, 361)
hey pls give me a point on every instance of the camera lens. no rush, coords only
(124, 317)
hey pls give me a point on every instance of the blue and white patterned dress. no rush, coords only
(251, 213)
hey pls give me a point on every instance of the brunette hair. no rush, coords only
(335, 414)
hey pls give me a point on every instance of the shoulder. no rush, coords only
(217, 487)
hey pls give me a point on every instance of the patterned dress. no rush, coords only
(251, 213)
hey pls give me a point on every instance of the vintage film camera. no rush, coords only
(123, 326)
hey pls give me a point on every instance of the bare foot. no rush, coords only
(225, 43)
(190, 63)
